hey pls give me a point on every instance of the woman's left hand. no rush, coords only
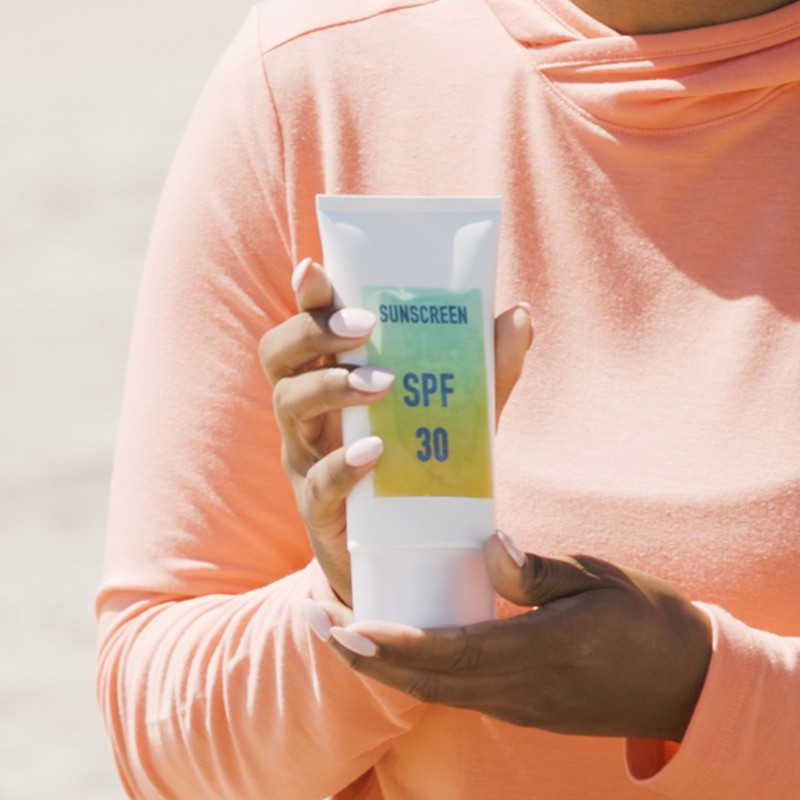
(606, 652)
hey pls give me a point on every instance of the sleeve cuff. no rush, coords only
(701, 766)
(647, 757)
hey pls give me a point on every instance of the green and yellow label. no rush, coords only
(435, 420)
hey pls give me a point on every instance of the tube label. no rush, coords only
(434, 421)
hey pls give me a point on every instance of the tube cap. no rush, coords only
(428, 587)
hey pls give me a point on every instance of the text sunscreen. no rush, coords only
(418, 523)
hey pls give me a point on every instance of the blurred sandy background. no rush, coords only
(94, 95)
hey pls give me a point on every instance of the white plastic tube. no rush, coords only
(418, 523)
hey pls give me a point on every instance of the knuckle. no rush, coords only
(279, 397)
(315, 493)
(265, 343)
(266, 353)
(468, 658)
(340, 479)
(330, 478)
(424, 687)
(322, 492)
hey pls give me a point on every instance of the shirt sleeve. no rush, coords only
(210, 682)
(742, 737)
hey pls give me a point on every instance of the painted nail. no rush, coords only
(299, 274)
(370, 379)
(317, 620)
(363, 451)
(516, 555)
(352, 323)
(354, 642)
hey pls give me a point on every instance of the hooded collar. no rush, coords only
(663, 81)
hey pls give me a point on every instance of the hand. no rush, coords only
(310, 389)
(607, 652)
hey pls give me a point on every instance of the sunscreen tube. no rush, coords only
(417, 524)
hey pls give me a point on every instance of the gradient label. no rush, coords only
(434, 422)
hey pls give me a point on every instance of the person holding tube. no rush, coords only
(647, 454)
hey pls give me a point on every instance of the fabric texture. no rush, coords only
(650, 216)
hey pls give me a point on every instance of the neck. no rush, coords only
(662, 16)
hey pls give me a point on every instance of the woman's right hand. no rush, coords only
(309, 391)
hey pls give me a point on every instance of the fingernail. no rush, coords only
(299, 274)
(352, 323)
(370, 379)
(363, 451)
(354, 642)
(517, 556)
(317, 620)
(527, 310)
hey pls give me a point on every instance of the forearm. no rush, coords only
(233, 696)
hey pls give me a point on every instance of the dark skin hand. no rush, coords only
(607, 652)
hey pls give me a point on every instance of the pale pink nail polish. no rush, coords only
(299, 274)
(352, 323)
(354, 642)
(517, 556)
(363, 451)
(370, 379)
(317, 620)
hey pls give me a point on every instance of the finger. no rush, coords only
(513, 332)
(311, 286)
(298, 342)
(482, 648)
(328, 482)
(322, 616)
(320, 498)
(447, 658)
(301, 404)
(531, 580)
(307, 395)
(425, 685)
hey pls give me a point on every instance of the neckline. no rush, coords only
(657, 82)
(523, 20)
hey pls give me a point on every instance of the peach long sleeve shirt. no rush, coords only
(652, 219)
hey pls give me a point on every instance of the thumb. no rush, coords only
(513, 335)
(530, 580)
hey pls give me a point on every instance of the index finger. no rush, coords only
(425, 685)
(447, 666)
(482, 648)
(300, 341)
